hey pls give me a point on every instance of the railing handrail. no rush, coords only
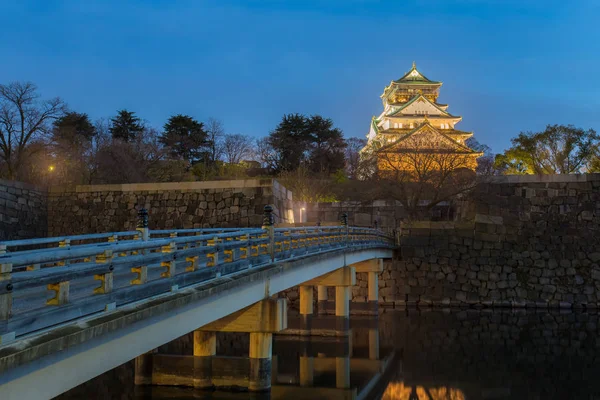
(72, 252)
(57, 239)
(204, 254)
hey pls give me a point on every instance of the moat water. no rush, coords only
(418, 355)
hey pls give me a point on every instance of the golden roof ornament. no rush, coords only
(414, 65)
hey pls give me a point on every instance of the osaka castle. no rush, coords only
(415, 129)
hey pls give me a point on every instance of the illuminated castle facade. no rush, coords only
(413, 123)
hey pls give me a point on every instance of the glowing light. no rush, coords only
(398, 391)
(51, 168)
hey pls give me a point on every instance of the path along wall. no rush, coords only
(22, 211)
(529, 241)
(177, 205)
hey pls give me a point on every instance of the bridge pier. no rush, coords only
(306, 307)
(205, 348)
(204, 370)
(373, 268)
(260, 320)
(342, 279)
(143, 369)
(322, 298)
(261, 349)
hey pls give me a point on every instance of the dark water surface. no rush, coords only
(418, 355)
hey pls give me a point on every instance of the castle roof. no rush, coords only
(415, 98)
(415, 77)
(452, 145)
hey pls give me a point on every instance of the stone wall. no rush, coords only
(22, 211)
(527, 241)
(384, 214)
(180, 205)
(387, 214)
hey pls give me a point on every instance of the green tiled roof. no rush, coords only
(419, 78)
(374, 124)
(446, 113)
(404, 131)
(463, 148)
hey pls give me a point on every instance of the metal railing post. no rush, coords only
(268, 222)
(344, 222)
(142, 224)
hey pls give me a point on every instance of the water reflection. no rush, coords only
(417, 355)
(493, 354)
(398, 391)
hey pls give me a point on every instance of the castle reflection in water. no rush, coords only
(399, 391)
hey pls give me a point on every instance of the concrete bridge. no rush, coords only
(74, 307)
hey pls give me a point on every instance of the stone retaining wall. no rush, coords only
(529, 242)
(180, 205)
(22, 211)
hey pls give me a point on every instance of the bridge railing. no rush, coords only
(45, 287)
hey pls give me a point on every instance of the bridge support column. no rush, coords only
(205, 347)
(342, 279)
(373, 268)
(322, 299)
(261, 348)
(306, 306)
(373, 289)
(143, 369)
(342, 308)
(261, 320)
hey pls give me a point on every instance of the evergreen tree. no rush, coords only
(126, 126)
(327, 145)
(290, 141)
(185, 137)
(72, 143)
(74, 129)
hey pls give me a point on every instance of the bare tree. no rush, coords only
(140, 160)
(266, 154)
(307, 185)
(236, 148)
(215, 136)
(24, 118)
(421, 174)
(353, 147)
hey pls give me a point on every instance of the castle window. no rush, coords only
(400, 125)
(411, 125)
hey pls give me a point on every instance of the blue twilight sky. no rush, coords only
(507, 65)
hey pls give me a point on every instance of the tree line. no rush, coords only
(43, 141)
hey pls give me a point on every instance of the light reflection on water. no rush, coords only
(445, 355)
(398, 391)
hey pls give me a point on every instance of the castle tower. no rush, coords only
(412, 122)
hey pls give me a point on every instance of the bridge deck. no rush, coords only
(191, 281)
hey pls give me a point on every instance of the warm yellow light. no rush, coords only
(51, 168)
